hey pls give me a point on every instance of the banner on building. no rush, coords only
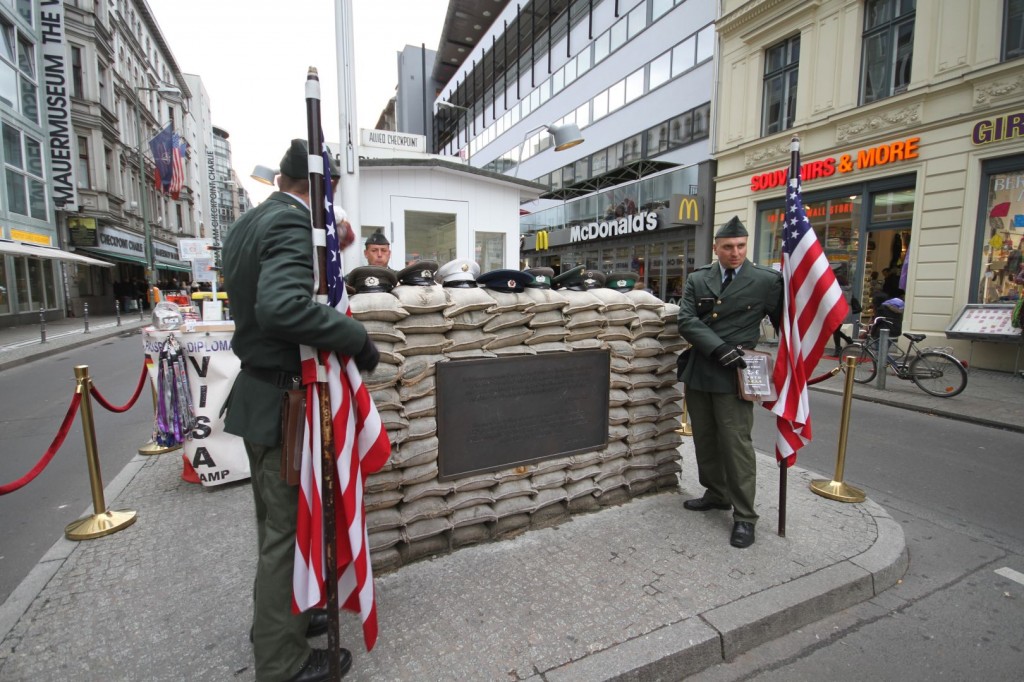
(83, 231)
(58, 104)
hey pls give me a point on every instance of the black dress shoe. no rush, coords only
(742, 534)
(704, 504)
(317, 624)
(317, 666)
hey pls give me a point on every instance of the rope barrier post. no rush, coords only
(152, 447)
(103, 521)
(138, 302)
(117, 311)
(836, 489)
(42, 325)
(86, 316)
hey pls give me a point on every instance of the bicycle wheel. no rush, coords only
(938, 374)
(866, 366)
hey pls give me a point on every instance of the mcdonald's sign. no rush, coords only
(542, 240)
(686, 209)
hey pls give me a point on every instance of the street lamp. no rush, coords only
(264, 175)
(564, 137)
(148, 236)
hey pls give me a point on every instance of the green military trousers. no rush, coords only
(726, 465)
(279, 638)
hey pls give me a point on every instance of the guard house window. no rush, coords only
(1013, 30)
(888, 48)
(781, 69)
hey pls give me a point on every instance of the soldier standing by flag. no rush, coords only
(720, 314)
(268, 272)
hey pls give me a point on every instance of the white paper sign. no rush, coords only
(216, 456)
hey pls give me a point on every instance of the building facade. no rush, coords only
(911, 125)
(637, 79)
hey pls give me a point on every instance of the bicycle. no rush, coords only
(936, 371)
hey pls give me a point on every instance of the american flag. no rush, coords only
(361, 448)
(814, 308)
(178, 151)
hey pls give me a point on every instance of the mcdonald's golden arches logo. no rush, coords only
(542, 240)
(686, 209)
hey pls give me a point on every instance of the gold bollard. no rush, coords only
(102, 522)
(152, 447)
(684, 425)
(836, 489)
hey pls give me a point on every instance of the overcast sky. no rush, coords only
(253, 56)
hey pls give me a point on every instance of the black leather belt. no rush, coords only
(286, 381)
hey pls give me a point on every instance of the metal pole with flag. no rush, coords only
(814, 308)
(344, 442)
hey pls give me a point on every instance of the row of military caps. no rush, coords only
(463, 273)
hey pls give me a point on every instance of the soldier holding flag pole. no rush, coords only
(269, 274)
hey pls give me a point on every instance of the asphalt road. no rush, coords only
(33, 401)
(957, 613)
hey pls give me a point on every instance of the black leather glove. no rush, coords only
(367, 358)
(729, 357)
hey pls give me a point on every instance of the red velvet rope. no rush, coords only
(818, 379)
(128, 405)
(58, 440)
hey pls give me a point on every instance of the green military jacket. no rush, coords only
(709, 317)
(268, 274)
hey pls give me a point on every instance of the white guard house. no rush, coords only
(434, 207)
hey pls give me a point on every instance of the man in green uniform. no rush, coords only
(268, 273)
(720, 315)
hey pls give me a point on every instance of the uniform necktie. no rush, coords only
(728, 277)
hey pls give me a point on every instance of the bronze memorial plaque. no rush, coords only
(495, 413)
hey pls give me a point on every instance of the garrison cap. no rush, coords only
(541, 277)
(418, 274)
(505, 280)
(733, 228)
(295, 162)
(621, 281)
(377, 238)
(372, 278)
(567, 278)
(592, 279)
(459, 273)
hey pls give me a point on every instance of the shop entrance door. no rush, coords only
(884, 255)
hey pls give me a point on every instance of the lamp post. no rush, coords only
(147, 233)
(449, 105)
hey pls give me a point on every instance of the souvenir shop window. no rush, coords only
(1000, 268)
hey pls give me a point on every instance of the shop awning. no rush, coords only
(115, 256)
(35, 251)
(172, 265)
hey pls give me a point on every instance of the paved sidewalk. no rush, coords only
(23, 343)
(645, 591)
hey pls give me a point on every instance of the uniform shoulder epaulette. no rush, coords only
(705, 267)
(767, 268)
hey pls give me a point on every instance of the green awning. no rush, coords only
(172, 265)
(107, 255)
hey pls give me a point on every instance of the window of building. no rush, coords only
(1000, 231)
(25, 10)
(702, 122)
(600, 105)
(601, 44)
(489, 249)
(23, 171)
(618, 34)
(681, 129)
(583, 62)
(180, 217)
(637, 19)
(617, 95)
(77, 84)
(705, 43)
(781, 69)
(84, 173)
(684, 56)
(599, 162)
(583, 115)
(1013, 30)
(659, 7)
(657, 139)
(632, 149)
(635, 85)
(661, 70)
(888, 48)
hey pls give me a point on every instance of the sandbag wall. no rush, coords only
(411, 514)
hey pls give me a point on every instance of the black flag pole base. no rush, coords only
(837, 490)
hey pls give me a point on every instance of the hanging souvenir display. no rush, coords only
(175, 417)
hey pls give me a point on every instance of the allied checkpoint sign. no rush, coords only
(496, 413)
(216, 456)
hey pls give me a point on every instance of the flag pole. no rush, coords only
(794, 162)
(314, 142)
